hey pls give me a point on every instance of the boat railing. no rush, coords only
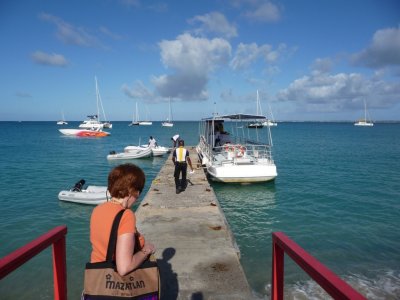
(253, 151)
(329, 281)
(238, 152)
(56, 238)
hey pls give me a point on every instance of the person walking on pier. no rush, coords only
(125, 183)
(181, 159)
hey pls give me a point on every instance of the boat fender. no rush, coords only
(78, 186)
(112, 152)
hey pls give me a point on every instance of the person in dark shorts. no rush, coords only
(181, 159)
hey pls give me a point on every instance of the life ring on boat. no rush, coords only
(229, 147)
(241, 151)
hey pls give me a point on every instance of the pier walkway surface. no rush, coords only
(196, 250)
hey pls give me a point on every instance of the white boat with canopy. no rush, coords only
(92, 195)
(242, 155)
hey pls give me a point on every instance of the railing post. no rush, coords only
(329, 281)
(55, 237)
(277, 271)
(60, 269)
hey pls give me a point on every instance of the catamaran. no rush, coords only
(146, 122)
(270, 122)
(62, 121)
(236, 156)
(168, 122)
(135, 118)
(365, 121)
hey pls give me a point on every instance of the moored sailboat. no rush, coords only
(365, 121)
(168, 122)
(62, 121)
(256, 123)
(135, 118)
(93, 121)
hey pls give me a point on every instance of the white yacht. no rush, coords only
(92, 122)
(235, 156)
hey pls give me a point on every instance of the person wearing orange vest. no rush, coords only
(180, 158)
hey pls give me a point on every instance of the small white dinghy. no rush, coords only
(159, 150)
(155, 151)
(139, 152)
(92, 195)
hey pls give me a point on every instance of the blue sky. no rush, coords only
(309, 60)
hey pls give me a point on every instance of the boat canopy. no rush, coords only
(237, 117)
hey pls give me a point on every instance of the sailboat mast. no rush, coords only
(137, 113)
(97, 99)
(169, 112)
(365, 111)
(272, 116)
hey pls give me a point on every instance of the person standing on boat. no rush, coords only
(181, 159)
(125, 183)
(175, 140)
(152, 142)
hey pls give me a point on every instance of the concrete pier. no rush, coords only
(196, 250)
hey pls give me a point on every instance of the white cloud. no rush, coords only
(246, 54)
(192, 59)
(139, 91)
(70, 34)
(49, 59)
(214, 22)
(384, 50)
(333, 93)
(322, 65)
(131, 3)
(194, 55)
(264, 11)
(109, 33)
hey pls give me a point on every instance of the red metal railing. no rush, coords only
(55, 237)
(329, 281)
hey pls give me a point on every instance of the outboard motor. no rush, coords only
(78, 186)
(112, 152)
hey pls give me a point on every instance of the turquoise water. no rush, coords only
(337, 195)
